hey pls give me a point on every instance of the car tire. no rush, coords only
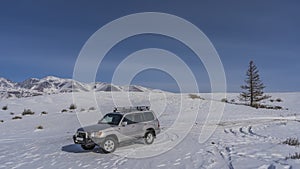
(149, 137)
(109, 145)
(88, 147)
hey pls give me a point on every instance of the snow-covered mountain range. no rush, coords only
(54, 85)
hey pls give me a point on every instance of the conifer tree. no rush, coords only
(253, 89)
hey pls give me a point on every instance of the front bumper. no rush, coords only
(85, 140)
(81, 140)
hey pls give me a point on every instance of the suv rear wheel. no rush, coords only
(109, 145)
(149, 137)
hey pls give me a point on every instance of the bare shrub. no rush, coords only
(92, 108)
(4, 108)
(73, 106)
(292, 142)
(16, 117)
(40, 127)
(224, 100)
(194, 96)
(257, 105)
(295, 156)
(44, 112)
(27, 112)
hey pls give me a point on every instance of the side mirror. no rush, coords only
(124, 123)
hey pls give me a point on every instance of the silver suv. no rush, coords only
(123, 124)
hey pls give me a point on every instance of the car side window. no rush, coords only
(148, 116)
(129, 119)
(138, 117)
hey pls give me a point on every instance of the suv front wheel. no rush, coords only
(149, 137)
(109, 145)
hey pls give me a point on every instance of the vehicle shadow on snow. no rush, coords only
(76, 148)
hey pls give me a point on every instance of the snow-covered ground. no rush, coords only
(245, 137)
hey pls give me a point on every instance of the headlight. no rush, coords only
(96, 134)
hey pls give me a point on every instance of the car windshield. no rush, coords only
(111, 118)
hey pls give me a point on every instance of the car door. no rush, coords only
(129, 130)
(138, 128)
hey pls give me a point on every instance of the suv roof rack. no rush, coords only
(131, 109)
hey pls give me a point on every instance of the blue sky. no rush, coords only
(40, 38)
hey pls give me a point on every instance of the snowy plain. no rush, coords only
(245, 137)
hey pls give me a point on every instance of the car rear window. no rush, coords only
(148, 116)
